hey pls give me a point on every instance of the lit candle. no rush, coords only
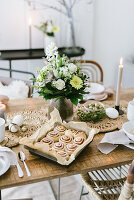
(2, 111)
(30, 32)
(119, 82)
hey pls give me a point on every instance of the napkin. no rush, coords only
(111, 140)
(5, 151)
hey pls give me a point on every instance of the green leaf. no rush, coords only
(60, 62)
(74, 100)
(46, 91)
(58, 57)
(58, 98)
(33, 79)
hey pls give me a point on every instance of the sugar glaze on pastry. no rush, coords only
(63, 154)
(60, 129)
(65, 139)
(47, 140)
(70, 148)
(80, 134)
(79, 140)
(58, 146)
(54, 136)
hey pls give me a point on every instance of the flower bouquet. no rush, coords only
(60, 80)
(49, 31)
(48, 28)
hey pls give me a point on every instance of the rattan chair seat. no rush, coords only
(105, 184)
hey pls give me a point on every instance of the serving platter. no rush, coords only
(4, 165)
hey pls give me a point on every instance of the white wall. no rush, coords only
(14, 15)
(113, 38)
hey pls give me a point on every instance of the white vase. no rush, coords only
(48, 40)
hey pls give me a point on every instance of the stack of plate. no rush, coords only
(94, 89)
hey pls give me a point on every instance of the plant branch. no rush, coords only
(49, 7)
(73, 3)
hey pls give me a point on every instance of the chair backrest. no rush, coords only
(92, 69)
(7, 81)
(127, 190)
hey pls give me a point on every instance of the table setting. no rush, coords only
(65, 127)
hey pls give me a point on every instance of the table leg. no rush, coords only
(55, 197)
(0, 195)
(10, 67)
(58, 197)
(81, 193)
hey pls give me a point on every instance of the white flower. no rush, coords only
(72, 68)
(51, 51)
(44, 69)
(49, 28)
(59, 84)
(49, 77)
(56, 74)
(39, 78)
(65, 72)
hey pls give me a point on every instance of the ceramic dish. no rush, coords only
(4, 164)
(128, 127)
(95, 88)
(92, 97)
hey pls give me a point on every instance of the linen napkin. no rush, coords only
(5, 151)
(111, 140)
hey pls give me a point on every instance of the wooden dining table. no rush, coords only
(43, 169)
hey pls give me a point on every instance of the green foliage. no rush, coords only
(92, 115)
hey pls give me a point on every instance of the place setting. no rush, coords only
(9, 157)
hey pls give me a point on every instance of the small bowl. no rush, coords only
(127, 128)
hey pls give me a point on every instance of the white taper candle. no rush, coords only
(30, 33)
(119, 82)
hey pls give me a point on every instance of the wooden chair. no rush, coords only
(7, 80)
(92, 69)
(107, 184)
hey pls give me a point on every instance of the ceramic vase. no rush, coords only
(64, 106)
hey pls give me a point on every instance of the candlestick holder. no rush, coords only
(121, 112)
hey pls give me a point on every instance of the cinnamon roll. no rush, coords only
(65, 139)
(60, 129)
(53, 136)
(47, 141)
(58, 146)
(70, 132)
(63, 154)
(70, 148)
(79, 140)
(80, 134)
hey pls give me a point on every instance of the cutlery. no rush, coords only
(20, 172)
(22, 157)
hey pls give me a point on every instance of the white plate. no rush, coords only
(105, 97)
(95, 88)
(127, 127)
(4, 164)
(87, 97)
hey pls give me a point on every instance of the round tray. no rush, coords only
(71, 51)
